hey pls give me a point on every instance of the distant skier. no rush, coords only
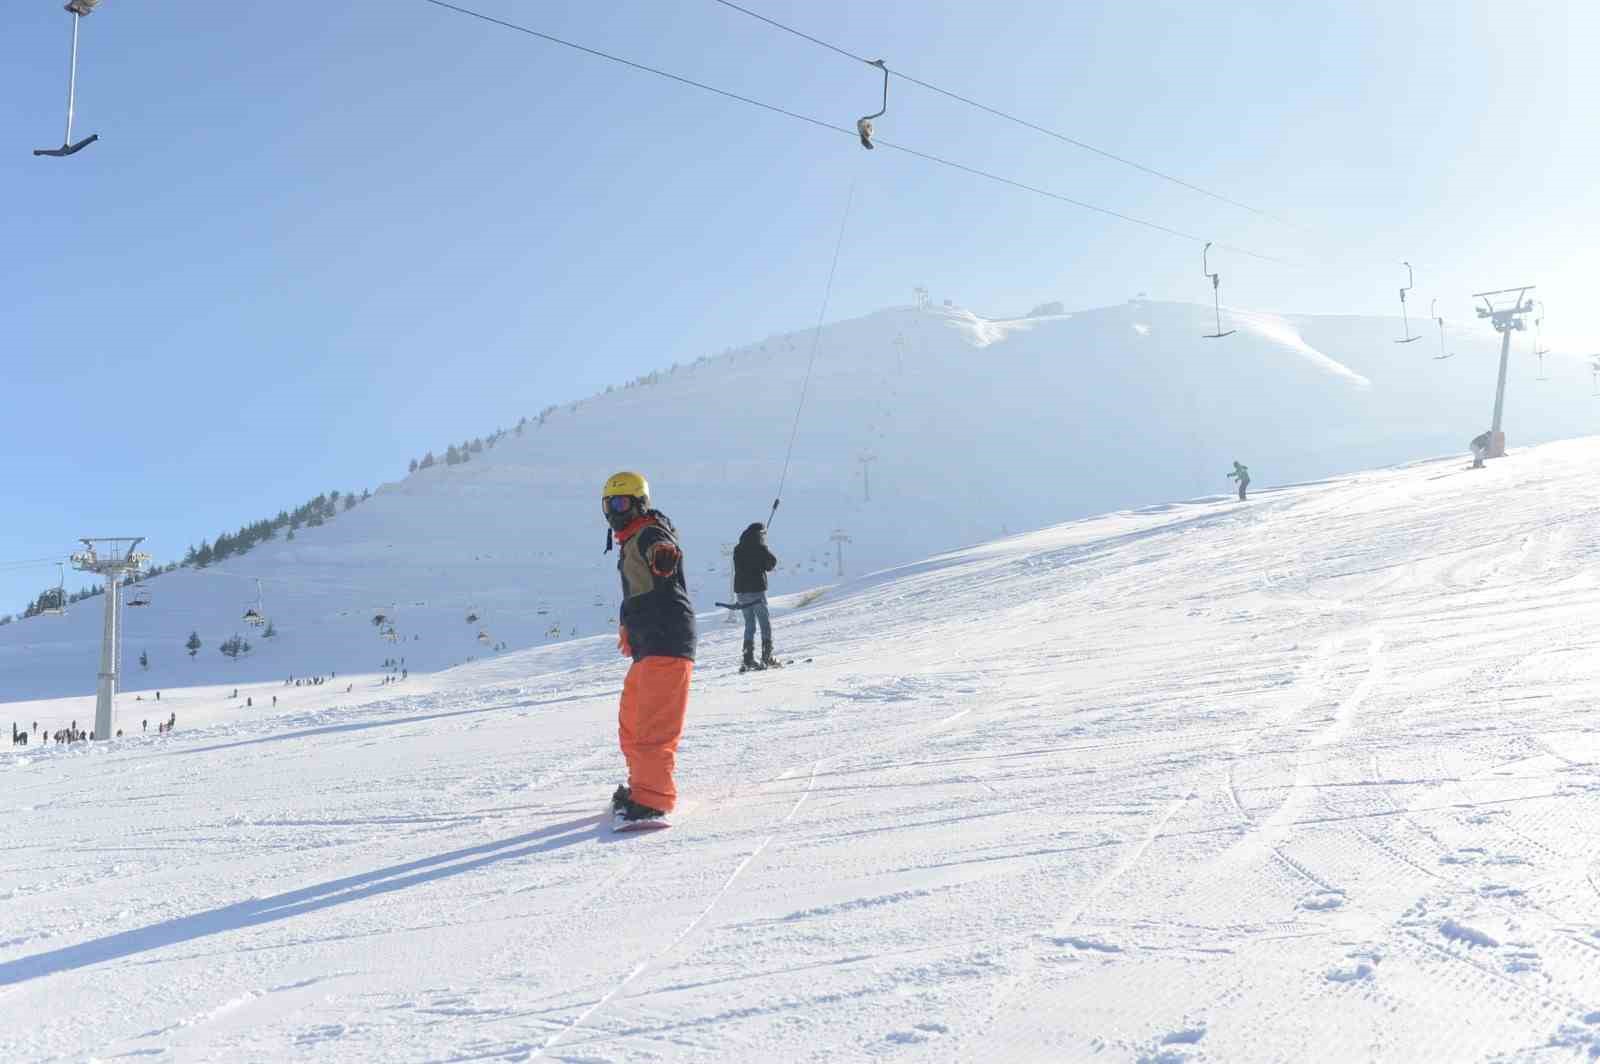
(752, 561)
(1241, 473)
(1480, 448)
(657, 631)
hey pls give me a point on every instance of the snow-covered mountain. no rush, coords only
(970, 428)
(1311, 778)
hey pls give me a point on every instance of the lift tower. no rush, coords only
(112, 558)
(1506, 320)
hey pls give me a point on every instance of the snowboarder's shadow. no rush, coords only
(293, 903)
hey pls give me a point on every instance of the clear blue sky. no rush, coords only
(318, 239)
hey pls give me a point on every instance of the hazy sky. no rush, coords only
(318, 239)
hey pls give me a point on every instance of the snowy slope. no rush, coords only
(1309, 778)
(979, 428)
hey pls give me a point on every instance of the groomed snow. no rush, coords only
(1314, 777)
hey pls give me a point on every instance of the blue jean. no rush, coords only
(755, 613)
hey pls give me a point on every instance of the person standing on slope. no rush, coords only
(657, 631)
(1480, 448)
(752, 561)
(1241, 473)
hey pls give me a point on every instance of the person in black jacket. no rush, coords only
(752, 561)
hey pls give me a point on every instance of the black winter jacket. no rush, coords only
(656, 611)
(752, 561)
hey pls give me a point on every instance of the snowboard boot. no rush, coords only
(750, 663)
(621, 798)
(767, 660)
(631, 811)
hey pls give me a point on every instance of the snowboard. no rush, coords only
(620, 826)
(765, 668)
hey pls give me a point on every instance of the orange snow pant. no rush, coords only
(654, 698)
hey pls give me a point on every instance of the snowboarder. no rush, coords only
(1241, 473)
(752, 561)
(1480, 449)
(656, 629)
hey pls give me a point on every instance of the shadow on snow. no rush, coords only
(294, 903)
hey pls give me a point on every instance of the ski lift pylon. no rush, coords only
(1404, 317)
(864, 123)
(1216, 298)
(78, 9)
(1433, 308)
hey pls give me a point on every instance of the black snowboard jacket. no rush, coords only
(752, 561)
(657, 616)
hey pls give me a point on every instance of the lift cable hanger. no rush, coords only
(1538, 336)
(864, 123)
(1216, 299)
(1433, 313)
(1404, 317)
(78, 8)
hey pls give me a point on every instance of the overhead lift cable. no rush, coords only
(854, 134)
(1152, 171)
(816, 339)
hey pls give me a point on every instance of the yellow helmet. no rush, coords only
(626, 483)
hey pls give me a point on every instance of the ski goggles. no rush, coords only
(617, 504)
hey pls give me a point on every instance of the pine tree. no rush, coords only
(452, 456)
(428, 460)
(193, 644)
(349, 503)
(271, 630)
(413, 465)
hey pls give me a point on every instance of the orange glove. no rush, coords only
(622, 641)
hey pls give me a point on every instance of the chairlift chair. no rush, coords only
(139, 597)
(483, 637)
(864, 123)
(1433, 308)
(54, 601)
(1216, 299)
(1404, 317)
(253, 615)
(78, 9)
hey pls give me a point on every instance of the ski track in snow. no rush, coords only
(1314, 777)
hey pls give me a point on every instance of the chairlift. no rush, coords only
(1432, 313)
(53, 602)
(139, 597)
(1404, 317)
(252, 614)
(391, 635)
(1216, 299)
(864, 123)
(483, 636)
(78, 9)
